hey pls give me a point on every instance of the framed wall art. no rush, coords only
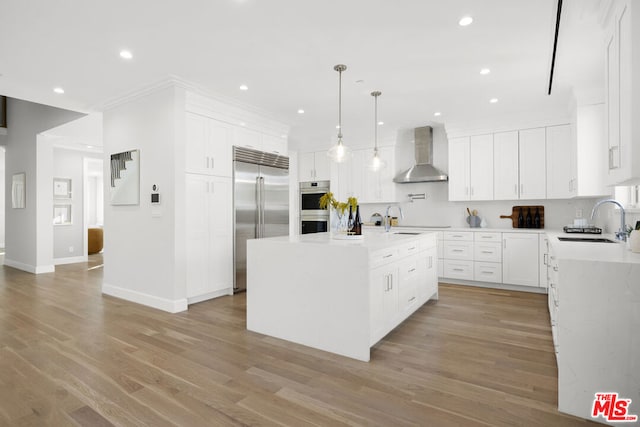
(125, 178)
(18, 190)
(61, 188)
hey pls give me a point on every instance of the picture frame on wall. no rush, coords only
(18, 190)
(62, 188)
(62, 215)
(125, 178)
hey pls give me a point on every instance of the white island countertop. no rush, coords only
(591, 251)
(340, 296)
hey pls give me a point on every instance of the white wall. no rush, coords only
(28, 233)
(2, 202)
(68, 239)
(143, 247)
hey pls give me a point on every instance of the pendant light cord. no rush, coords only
(375, 125)
(340, 105)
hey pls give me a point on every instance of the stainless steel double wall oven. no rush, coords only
(312, 218)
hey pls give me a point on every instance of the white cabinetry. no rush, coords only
(470, 160)
(560, 176)
(384, 299)
(354, 179)
(622, 54)
(589, 171)
(520, 259)
(209, 237)
(505, 163)
(208, 146)
(543, 244)
(313, 166)
(532, 160)
(519, 165)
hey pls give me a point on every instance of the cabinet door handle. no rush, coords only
(212, 164)
(486, 272)
(466, 191)
(515, 189)
(412, 299)
(387, 256)
(544, 259)
(485, 237)
(555, 268)
(458, 269)
(457, 236)
(487, 252)
(458, 250)
(411, 270)
(391, 281)
(472, 191)
(411, 248)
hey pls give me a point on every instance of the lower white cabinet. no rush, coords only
(487, 272)
(458, 269)
(384, 298)
(520, 259)
(543, 244)
(209, 229)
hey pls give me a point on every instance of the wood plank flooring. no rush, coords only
(70, 356)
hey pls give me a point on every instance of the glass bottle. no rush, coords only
(520, 218)
(350, 223)
(357, 226)
(536, 218)
(528, 220)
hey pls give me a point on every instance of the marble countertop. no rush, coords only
(589, 251)
(449, 228)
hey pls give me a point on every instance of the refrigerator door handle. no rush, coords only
(258, 229)
(261, 208)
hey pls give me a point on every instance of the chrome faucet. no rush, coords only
(622, 233)
(387, 222)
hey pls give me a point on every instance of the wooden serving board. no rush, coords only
(515, 211)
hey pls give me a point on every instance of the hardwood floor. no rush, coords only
(70, 356)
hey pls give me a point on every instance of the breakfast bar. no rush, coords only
(340, 296)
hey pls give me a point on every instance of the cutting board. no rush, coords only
(515, 211)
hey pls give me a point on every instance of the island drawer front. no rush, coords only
(485, 236)
(384, 256)
(487, 272)
(411, 248)
(465, 236)
(458, 250)
(458, 269)
(490, 252)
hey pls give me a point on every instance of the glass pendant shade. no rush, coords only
(339, 153)
(376, 163)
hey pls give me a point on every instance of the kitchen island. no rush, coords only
(340, 296)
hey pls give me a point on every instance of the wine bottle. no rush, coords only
(350, 223)
(528, 221)
(536, 219)
(357, 225)
(520, 219)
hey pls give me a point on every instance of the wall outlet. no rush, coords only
(70, 249)
(578, 213)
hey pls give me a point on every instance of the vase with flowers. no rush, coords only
(340, 225)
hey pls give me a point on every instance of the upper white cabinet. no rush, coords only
(588, 151)
(355, 179)
(505, 163)
(208, 146)
(622, 97)
(313, 166)
(532, 159)
(560, 169)
(470, 167)
(519, 165)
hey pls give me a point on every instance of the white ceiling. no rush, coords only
(284, 50)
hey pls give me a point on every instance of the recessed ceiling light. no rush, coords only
(437, 114)
(90, 146)
(126, 54)
(380, 123)
(301, 111)
(493, 100)
(337, 126)
(485, 71)
(244, 87)
(58, 90)
(465, 20)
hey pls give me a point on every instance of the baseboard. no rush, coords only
(30, 268)
(210, 295)
(172, 306)
(70, 260)
(503, 286)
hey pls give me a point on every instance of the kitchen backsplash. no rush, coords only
(437, 210)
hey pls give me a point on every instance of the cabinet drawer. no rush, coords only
(384, 256)
(465, 236)
(490, 252)
(440, 267)
(458, 269)
(487, 237)
(487, 272)
(410, 249)
(458, 250)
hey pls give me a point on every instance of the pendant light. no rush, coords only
(376, 163)
(339, 152)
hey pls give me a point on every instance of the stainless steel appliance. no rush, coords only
(260, 201)
(312, 218)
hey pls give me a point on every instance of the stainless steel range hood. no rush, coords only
(423, 171)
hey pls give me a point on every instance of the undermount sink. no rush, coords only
(586, 239)
(413, 233)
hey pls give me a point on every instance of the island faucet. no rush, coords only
(387, 222)
(622, 233)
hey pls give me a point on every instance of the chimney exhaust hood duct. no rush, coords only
(423, 171)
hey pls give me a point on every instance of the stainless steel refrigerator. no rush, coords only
(260, 201)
